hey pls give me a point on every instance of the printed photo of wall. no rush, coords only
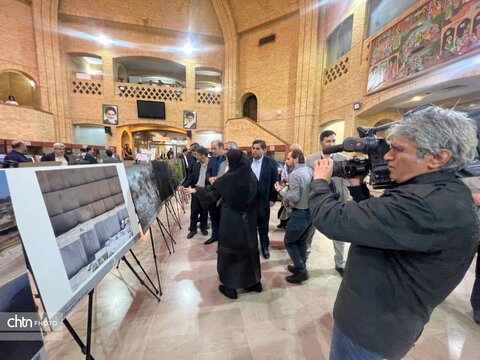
(88, 216)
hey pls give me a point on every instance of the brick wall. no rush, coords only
(270, 72)
(17, 45)
(26, 124)
(243, 131)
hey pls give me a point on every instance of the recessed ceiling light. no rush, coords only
(417, 98)
(102, 39)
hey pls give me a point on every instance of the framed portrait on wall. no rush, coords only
(110, 114)
(189, 119)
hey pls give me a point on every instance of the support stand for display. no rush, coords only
(179, 198)
(170, 209)
(140, 279)
(155, 260)
(143, 270)
(164, 230)
(86, 349)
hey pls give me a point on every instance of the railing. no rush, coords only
(150, 92)
(336, 70)
(208, 97)
(86, 87)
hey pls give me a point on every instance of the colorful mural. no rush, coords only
(436, 32)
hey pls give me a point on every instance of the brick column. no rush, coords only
(306, 94)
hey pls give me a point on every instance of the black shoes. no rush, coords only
(257, 288)
(266, 253)
(204, 232)
(190, 234)
(210, 241)
(298, 277)
(476, 316)
(340, 270)
(292, 269)
(228, 292)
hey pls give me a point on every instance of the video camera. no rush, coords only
(371, 145)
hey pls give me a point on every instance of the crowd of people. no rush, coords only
(409, 248)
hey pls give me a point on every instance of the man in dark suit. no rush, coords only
(265, 169)
(89, 156)
(19, 149)
(214, 163)
(197, 177)
(58, 154)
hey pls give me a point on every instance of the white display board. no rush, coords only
(73, 229)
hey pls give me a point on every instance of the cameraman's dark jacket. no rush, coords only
(410, 248)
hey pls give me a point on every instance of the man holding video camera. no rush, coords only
(410, 247)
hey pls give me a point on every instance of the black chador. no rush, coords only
(238, 262)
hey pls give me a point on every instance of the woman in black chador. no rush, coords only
(238, 262)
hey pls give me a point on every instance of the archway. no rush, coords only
(21, 86)
(250, 105)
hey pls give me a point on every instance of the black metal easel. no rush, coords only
(86, 349)
(140, 279)
(155, 260)
(164, 230)
(143, 270)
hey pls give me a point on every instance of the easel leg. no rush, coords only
(163, 235)
(144, 272)
(85, 349)
(155, 260)
(89, 324)
(139, 278)
(173, 242)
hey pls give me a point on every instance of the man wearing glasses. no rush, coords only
(410, 247)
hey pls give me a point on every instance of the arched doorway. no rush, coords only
(250, 107)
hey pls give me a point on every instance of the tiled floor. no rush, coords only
(194, 321)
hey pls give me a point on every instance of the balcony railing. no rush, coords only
(86, 87)
(150, 92)
(337, 70)
(208, 97)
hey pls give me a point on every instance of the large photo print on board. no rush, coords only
(88, 215)
(143, 188)
(15, 291)
(162, 174)
(75, 225)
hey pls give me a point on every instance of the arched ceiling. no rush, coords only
(189, 16)
(250, 14)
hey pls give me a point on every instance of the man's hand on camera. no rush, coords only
(323, 170)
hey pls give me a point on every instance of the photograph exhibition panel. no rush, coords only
(143, 187)
(164, 184)
(19, 338)
(75, 225)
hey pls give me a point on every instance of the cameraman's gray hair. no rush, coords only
(434, 129)
(233, 144)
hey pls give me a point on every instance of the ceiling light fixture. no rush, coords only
(417, 98)
(102, 39)
(188, 49)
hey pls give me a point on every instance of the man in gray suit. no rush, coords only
(327, 139)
